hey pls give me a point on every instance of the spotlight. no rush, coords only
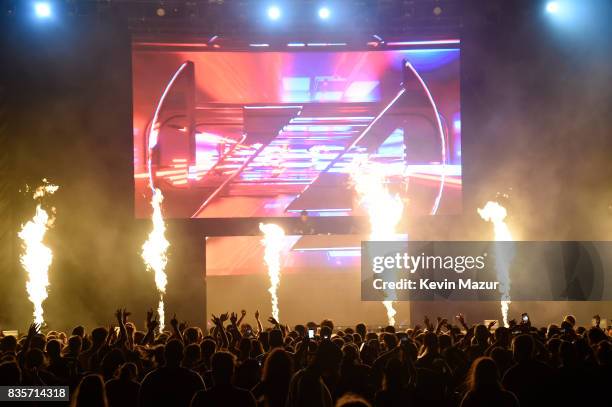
(324, 13)
(437, 10)
(552, 7)
(42, 9)
(160, 12)
(274, 13)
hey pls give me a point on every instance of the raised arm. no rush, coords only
(32, 330)
(461, 318)
(428, 324)
(175, 327)
(152, 324)
(242, 315)
(129, 336)
(259, 327)
(274, 322)
(218, 322)
(123, 337)
(236, 335)
(441, 323)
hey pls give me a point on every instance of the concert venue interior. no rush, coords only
(181, 135)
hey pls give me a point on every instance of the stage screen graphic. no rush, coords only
(311, 268)
(271, 134)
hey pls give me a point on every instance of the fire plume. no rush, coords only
(495, 213)
(37, 257)
(383, 208)
(273, 244)
(154, 251)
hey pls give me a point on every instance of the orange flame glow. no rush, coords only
(273, 244)
(495, 213)
(37, 257)
(154, 252)
(384, 209)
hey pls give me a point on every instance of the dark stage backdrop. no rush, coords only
(536, 124)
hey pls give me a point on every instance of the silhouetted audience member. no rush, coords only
(484, 387)
(272, 390)
(123, 390)
(90, 392)
(396, 388)
(223, 393)
(98, 338)
(57, 364)
(171, 384)
(310, 386)
(355, 377)
(529, 378)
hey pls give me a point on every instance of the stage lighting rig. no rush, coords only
(42, 9)
(247, 17)
(324, 13)
(274, 13)
(552, 7)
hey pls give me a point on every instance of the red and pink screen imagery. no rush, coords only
(273, 134)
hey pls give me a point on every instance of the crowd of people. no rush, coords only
(438, 363)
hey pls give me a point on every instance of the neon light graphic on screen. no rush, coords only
(246, 150)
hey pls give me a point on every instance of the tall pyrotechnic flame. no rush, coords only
(384, 209)
(273, 244)
(495, 213)
(154, 251)
(37, 257)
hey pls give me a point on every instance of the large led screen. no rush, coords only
(272, 134)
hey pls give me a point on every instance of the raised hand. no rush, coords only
(233, 318)
(441, 322)
(273, 321)
(174, 321)
(427, 323)
(183, 325)
(126, 314)
(33, 329)
(257, 315)
(152, 323)
(224, 317)
(491, 324)
(460, 318)
(242, 315)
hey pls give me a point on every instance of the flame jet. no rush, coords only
(273, 244)
(154, 252)
(384, 209)
(495, 213)
(37, 257)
